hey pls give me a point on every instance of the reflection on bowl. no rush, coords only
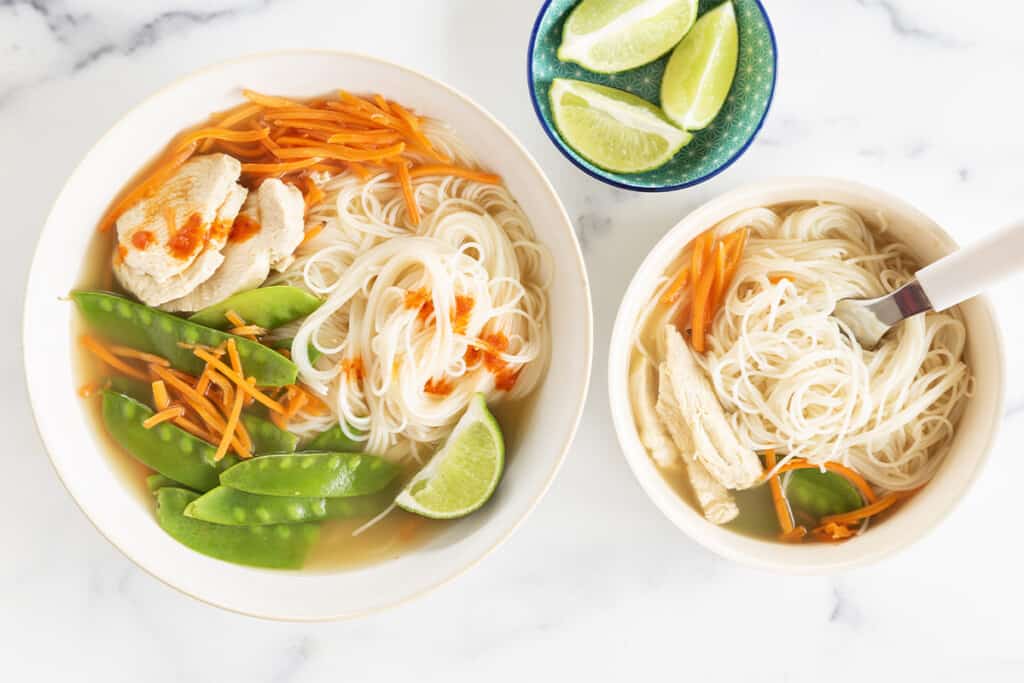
(713, 149)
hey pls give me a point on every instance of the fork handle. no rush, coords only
(974, 268)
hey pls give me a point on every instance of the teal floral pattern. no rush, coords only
(711, 149)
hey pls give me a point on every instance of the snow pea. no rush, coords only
(266, 436)
(268, 307)
(311, 474)
(819, 494)
(229, 506)
(153, 331)
(155, 482)
(334, 439)
(171, 451)
(278, 546)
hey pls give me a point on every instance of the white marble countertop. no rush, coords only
(916, 96)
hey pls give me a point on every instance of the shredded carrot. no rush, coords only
(190, 139)
(271, 101)
(415, 131)
(458, 171)
(720, 284)
(226, 388)
(340, 152)
(164, 415)
(793, 535)
(104, 354)
(162, 172)
(160, 398)
(862, 485)
(676, 286)
(833, 532)
(407, 192)
(230, 118)
(312, 194)
(229, 429)
(373, 136)
(276, 169)
(699, 257)
(295, 405)
(735, 242)
(237, 379)
(248, 331)
(359, 170)
(778, 499)
(235, 319)
(776, 278)
(312, 232)
(127, 352)
(883, 503)
(698, 317)
(206, 410)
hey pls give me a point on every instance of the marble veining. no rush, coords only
(915, 96)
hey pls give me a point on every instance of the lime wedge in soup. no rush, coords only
(461, 476)
(614, 35)
(700, 71)
(612, 128)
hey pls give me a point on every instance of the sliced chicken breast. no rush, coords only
(716, 446)
(163, 234)
(268, 229)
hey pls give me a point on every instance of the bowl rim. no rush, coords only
(736, 547)
(562, 147)
(588, 328)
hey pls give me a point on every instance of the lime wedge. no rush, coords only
(700, 71)
(464, 473)
(613, 129)
(614, 35)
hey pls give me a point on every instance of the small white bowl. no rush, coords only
(78, 454)
(974, 436)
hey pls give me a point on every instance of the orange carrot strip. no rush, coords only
(237, 379)
(407, 192)
(735, 242)
(341, 152)
(164, 170)
(698, 318)
(127, 352)
(312, 232)
(862, 485)
(457, 171)
(160, 398)
(883, 503)
(793, 535)
(229, 429)
(110, 359)
(676, 287)
(280, 168)
(416, 132)
(272, 101)
(832, 532)
(231, 118)
(701, 248)
(719, 285)
(221, 134)
(778, 499)
(235, 319)
(163, 416)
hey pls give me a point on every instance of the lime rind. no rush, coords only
(613, 129)
(609, 36)
(464, 474)
(700, 72)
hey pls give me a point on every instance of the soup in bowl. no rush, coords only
(756, 422)
(319, 343)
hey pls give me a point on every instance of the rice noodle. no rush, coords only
(791, 379)
(472, 241)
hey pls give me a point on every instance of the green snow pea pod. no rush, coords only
(819, 494)
(278, 546)
(229, 506)
(311, 474)
(266, 436)
(155, 482)
(151, 330)
(268, 307)
(334, 439)
(169, 450)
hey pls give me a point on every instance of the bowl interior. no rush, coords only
(974, 435)
(536, 446)
(712, 149)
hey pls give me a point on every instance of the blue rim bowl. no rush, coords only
(712, 149)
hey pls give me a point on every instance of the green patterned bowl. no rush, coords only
(713, 149)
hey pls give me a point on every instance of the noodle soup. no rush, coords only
(299, 324)
(760, 409)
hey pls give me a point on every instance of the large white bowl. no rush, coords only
(973, 439)
(537, 447)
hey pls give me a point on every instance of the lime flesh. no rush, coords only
(700, 71)
(461, 476)
(612, 128)
(608, 36)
